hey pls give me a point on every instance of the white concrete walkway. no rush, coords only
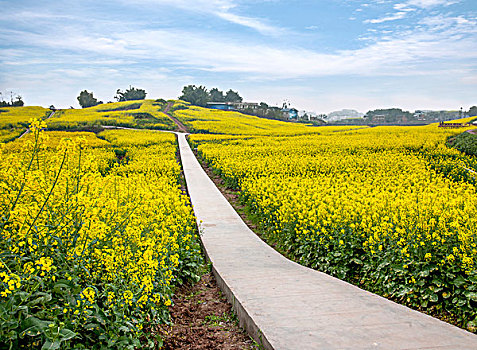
(287, 306)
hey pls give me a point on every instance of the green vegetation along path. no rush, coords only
(287, 306)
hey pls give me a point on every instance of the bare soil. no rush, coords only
(180, 127)
(203, 319)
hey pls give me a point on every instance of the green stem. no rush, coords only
(35, 151)
(49, 194)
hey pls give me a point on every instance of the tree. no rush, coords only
(472, 111)
(233, 96)
(86, 99)
(195, 95)
(15, 100)
(130, 94)
(18, 101)
(216, 95)
(263, 105)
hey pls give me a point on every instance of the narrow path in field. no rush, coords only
(181, 127)
(284, 305)
(28, 130)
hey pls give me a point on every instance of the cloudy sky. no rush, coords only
(321, 55)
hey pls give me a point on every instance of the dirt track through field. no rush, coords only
(181, 127)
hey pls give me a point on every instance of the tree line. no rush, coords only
(15, 100)
(199, 95)
(86, 99)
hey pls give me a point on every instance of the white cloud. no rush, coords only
(221, 9)
(396, 16)
(406, 7)
(250, 22)
(410, 52)
(430, 3)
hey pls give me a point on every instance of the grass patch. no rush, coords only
(465, 142)
(122, 108)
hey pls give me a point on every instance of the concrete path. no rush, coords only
(287, 306)
(28, 130)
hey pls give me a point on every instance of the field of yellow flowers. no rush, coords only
(214, 121)
(94, 235)
(143, 114)
(15, 120)
(390, 209)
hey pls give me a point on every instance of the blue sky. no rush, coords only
(321, 55)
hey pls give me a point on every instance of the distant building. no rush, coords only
(245, 105)
(420, 115)
(290, 113)
(232, 106)
(225, 106)
(379, 118)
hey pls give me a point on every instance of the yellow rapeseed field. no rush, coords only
(20, 116)
(94, 235)
(135, 114)
(214, 121)
(391, 209)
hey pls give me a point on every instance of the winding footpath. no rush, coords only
(28, 130)
(286, 306)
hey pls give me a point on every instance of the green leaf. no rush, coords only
(33, 322)
(437, 282)
(66, 334)
(459, 281)
(51, 345)
(23, 295)
(424, 273)
(41, 298)
(434, 298)
(90, 326)
(472, 296)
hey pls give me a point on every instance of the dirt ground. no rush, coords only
(203, 319)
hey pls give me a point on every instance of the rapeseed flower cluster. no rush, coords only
(93, 237)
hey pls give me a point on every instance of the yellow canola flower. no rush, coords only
(120, 213)
(390, 187)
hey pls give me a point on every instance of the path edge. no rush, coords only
(244, 319)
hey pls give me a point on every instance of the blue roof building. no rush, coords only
(224, 106)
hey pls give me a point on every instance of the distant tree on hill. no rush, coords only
(195, 95)
(18, 102)
(130, 94)
(199, 96)
(15, 100)
(215, 95)
(389, 115)
(472, 111)
(233, 96)
(86, 99)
